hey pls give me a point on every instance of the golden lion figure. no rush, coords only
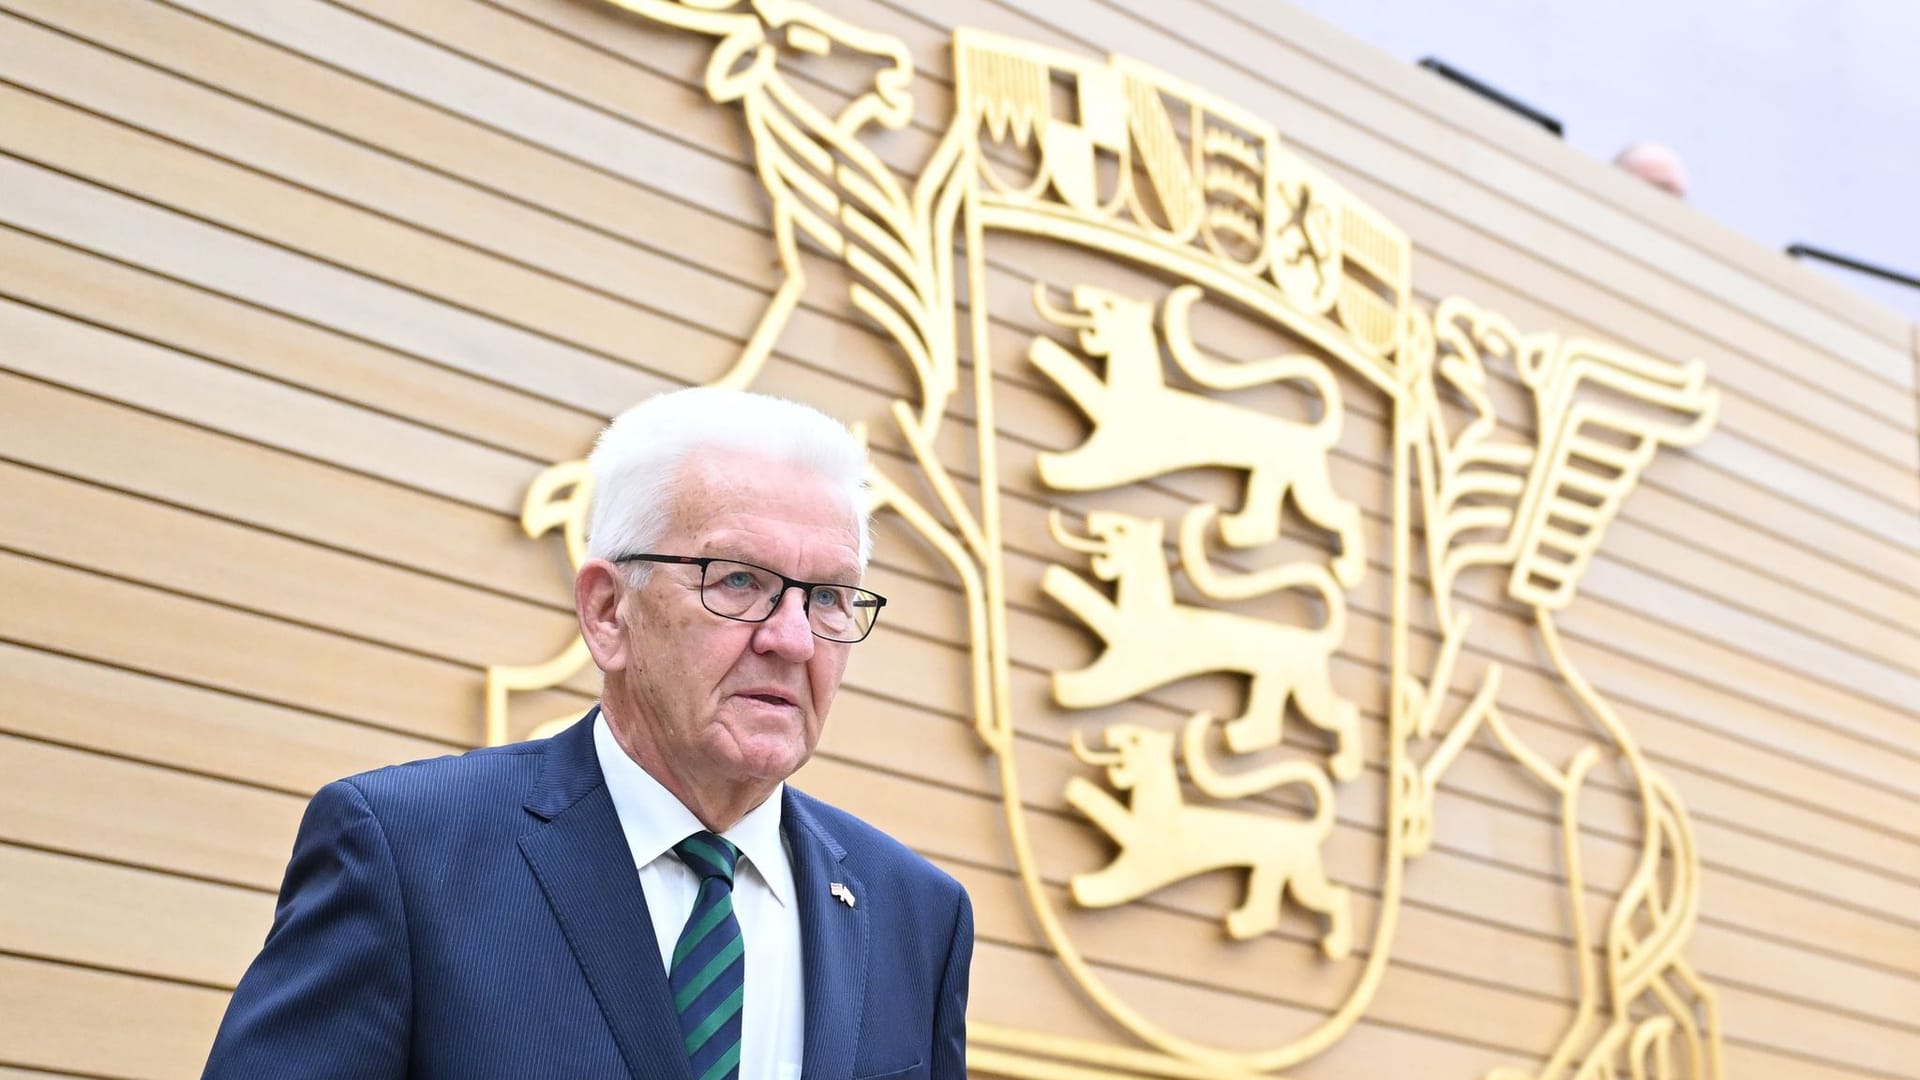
(1144, 428)
(1153, 639)
(1164, 839)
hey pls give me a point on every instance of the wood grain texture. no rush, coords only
(297, 298)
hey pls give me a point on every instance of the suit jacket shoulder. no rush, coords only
(414, 936)
(887, 958)
(436, 785)
(865, 845)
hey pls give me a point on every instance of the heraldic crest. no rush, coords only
(1293, 515)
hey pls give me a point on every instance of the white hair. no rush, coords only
(639, 462)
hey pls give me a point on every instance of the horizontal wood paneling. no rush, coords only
(298, 297)
(97, 1023)
(84, 703)
(436, 24)
(999, 909)
(103, 915)
(863, 730)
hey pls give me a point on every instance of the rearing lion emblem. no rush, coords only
(1164, 839)
(1143, 428)
(1255, 597)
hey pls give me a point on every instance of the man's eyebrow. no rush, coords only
(733, 552)
(847, 575)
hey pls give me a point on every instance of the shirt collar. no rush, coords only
(654, 820)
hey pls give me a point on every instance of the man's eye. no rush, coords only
(827, 598)
(739, 579)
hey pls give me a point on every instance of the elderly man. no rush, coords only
(641, 895)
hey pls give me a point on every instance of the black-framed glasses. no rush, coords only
(739, 590)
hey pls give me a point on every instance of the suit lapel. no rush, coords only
(833, 944)
(580, 857)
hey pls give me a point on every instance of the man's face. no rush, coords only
(724, 702)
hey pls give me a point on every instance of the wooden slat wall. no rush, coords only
(295, 298)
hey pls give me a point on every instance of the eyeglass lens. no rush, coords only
(744, 591)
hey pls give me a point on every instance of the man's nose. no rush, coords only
(787, 632)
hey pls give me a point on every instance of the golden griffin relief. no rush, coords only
(1224, 538)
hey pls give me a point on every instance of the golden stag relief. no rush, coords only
(1536, 511)
(1158, 175)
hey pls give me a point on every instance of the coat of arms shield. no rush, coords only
(1207, 477)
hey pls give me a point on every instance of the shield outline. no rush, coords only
(995, 719)
(1018, 211)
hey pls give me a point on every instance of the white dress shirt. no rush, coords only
(764, 901)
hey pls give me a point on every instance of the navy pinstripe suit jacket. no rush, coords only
(479, 916)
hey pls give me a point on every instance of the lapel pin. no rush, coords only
(841, 892)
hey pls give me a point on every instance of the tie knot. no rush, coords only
(708, 856)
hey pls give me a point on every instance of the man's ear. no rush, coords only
(596, 599)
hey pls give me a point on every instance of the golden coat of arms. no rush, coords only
(1265, 427)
